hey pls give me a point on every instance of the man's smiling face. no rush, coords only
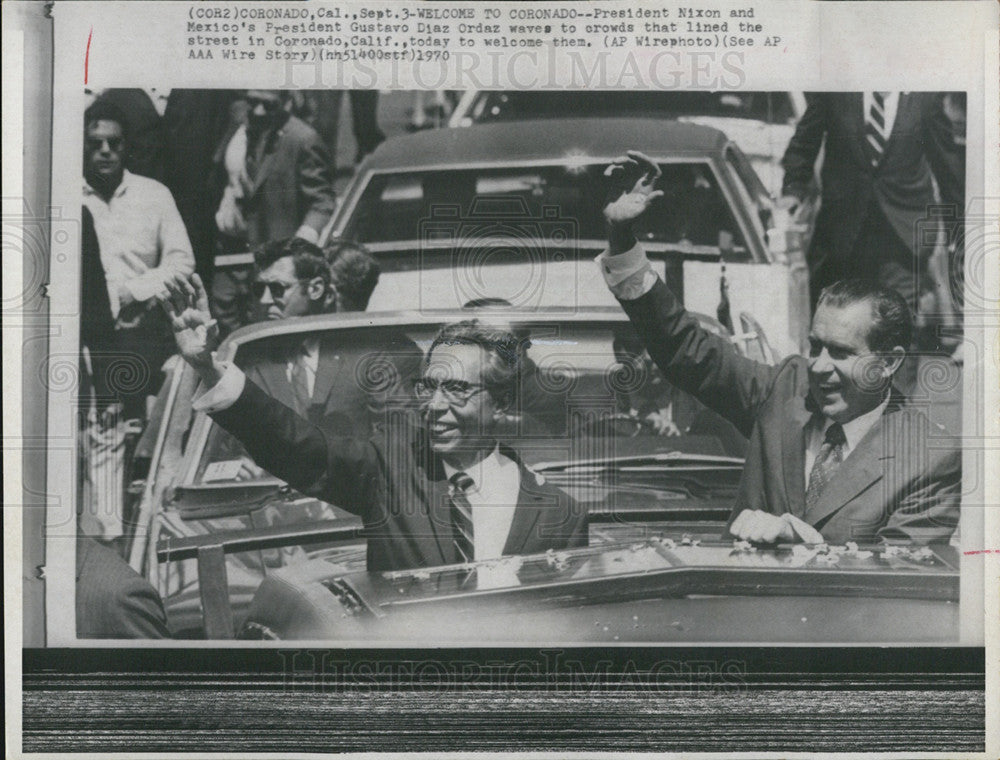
(460, 427)
(846, 378)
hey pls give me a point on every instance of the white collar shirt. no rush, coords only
(854, 431)
(310, 358)
(493, 497)
(142, 238)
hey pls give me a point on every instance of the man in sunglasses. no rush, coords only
(435, 490)
(142, 243)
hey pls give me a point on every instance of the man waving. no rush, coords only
(834, 452)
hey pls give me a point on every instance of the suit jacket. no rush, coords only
(394, 483)
(902, 480)
(901, 184)
(292, 186)
(112, 600)
(351, 386)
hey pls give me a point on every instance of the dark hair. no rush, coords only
(307, 258)
(354, 273)
(892, 322)
(104, 110)
(502, 371)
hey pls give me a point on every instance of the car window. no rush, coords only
(555, 204)
(769, 107)
(587, 391)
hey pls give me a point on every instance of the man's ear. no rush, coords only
(316, 289)
(892, 360)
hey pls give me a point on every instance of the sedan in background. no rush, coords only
(760, 123)
(513, 211)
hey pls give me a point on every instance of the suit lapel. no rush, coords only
(529, 508)
(274, 379)
(438, 504)
(265, 152)
(793, 457)
(858, 119)
(865, 465)
(329, 366)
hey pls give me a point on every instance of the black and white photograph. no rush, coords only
(472, 391)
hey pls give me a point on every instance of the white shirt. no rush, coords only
(854, 431)
(310, 354)
(890, 107)
(496, 481)
(142, 238)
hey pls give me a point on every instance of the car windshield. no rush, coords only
(554, 205)
(769, 107)
(592, 408)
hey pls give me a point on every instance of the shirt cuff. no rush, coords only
(224, 393)
(308, 234)
(143, 289)
(629, 275)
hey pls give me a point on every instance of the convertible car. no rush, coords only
(514, 211)
(238, 555)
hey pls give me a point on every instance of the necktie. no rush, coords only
(300, 383)
(875, 132)
(461, 516)
(831, 454)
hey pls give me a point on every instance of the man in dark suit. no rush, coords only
(439, 492)
(334, 386)
(881, 149)
(112, 600)
(279, 185)
(834, 453)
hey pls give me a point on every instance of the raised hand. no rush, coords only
(195, 332)
(633, 177)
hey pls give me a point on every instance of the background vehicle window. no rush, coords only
(555, 204)
(769, 107)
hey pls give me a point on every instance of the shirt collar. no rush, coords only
(482, 471)
(858, 428)
(119, 191)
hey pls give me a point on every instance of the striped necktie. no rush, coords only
(875, 131)
(831, 455)
(461, 516)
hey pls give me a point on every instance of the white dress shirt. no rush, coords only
(496, 481)
(310, 356)
(854, 431)
(142, 238)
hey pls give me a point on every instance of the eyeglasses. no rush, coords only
(455, 392)
(277, 289)
(97, 143)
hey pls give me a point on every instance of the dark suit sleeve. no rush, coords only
(112, 600)
(334, 469)
(695, 360)
(945, 150)
(315, 184)
(929, 512)
(799, 161)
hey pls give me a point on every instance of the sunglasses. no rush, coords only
(278, 289)
(114, 143)
(455, 392)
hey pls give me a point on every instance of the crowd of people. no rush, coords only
(226, 184)
(187, 239)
